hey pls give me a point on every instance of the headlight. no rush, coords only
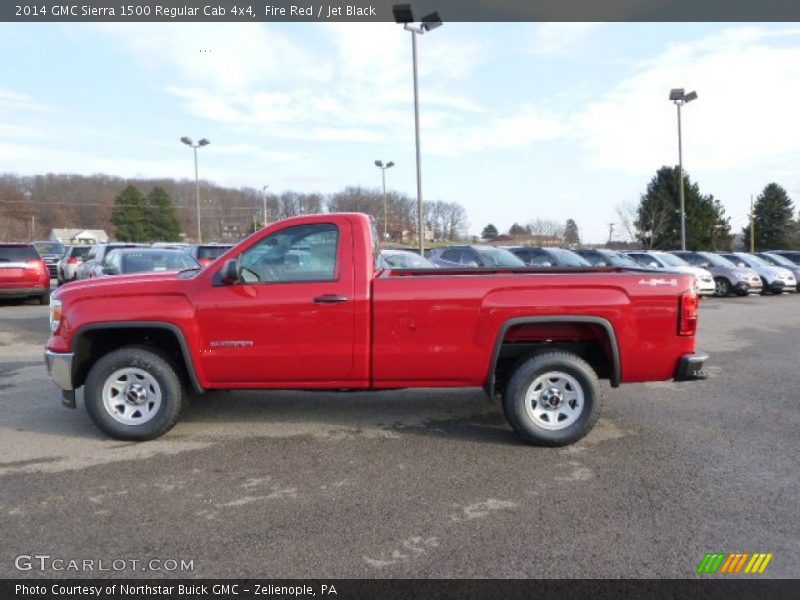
(55, 314)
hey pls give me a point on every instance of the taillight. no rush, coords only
(687, 317)
(36, 265)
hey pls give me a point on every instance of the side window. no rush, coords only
(470, 258)
(538, 258)
(453, 255)
(523, 255)
(300, 253)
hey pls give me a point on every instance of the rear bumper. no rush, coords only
(24, 292)
(690, 367)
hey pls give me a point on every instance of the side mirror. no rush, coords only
(653, 264)
(230, 272)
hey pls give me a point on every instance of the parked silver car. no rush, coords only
(458, 257)
(403, 259)
(69, 263)
(704, 280)
(778, 260)
(775, 279)
(727, 276)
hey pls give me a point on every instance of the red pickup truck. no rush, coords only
(305, 304)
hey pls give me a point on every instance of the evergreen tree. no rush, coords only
(489, 232)
(658, 217)
(517, 229)
(572, 236)
(775, 226)
(161, 218)
(128, 215)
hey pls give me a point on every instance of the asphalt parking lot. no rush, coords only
(418, 484)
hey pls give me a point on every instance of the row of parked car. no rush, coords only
(717, 273)
(118, 258)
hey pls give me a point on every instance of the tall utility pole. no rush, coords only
(610, 232)
(199, 144)
(382, 167)
(403, 15)
(752, 225)
(680, 98)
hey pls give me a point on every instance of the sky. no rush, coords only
(518, 121)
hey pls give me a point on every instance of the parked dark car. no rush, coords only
(602, 257)
(123, 261)
(456, 257)
(51, 253)
(96, 256)
(205, 254)
(23, 273)
(549, 257)
(69, 263)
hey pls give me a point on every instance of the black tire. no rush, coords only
(722, 287)
(44, 299)
(155, 365)
(525, 375)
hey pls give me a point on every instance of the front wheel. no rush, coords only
(552, 399)
(722, 287)
(133, 394)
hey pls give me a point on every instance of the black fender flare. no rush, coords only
(171, 327)
(604, 323)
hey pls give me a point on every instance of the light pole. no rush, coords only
(199, 144)
(403, 15)
(680, 98)
(382, 167)
(264, 198)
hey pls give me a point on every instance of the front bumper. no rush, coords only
(776, 287)
(690, 367)
(59, 367)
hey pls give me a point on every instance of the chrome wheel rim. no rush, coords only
(131, 396)
(719, 287)
(554, 400)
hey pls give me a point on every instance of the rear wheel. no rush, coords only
(134, 393)
(722, 287)
(552, 399)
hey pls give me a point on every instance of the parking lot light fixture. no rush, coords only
(202, 142)
(679, 98)
(405, 17)
(382, 167)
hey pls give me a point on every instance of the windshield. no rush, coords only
(210, 252)
(753, 259)
(672, 260)
(49, 248)
(618, 259)
(498, 257)
(567, 258)
(80, 251)
(718, 261)
(778, 260)
(407, 260)
(169, 260)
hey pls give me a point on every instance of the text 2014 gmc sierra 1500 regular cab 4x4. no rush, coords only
(302, 305)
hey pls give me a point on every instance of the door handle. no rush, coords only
(330, 299)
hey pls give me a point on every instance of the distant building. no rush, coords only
(79, 236)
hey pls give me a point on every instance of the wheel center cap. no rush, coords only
(136, 394)
(551, 398)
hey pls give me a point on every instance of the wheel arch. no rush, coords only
(615, 368)
(86, 348)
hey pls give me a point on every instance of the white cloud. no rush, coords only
(749, 93)
(552, 39)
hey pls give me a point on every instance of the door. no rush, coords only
(291, 318)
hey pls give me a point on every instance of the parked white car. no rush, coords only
(776, 279)
(704, 280)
